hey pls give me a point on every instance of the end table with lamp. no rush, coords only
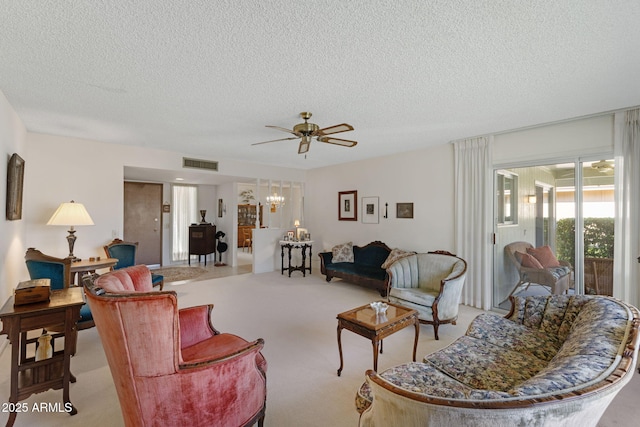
(71, 214)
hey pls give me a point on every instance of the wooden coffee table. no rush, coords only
(364, 322)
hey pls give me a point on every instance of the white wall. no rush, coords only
(90, 172)
(228, 222)
(12, 233)
(423, 177)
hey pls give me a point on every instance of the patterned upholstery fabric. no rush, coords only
(395, 255)
(342, 253)
(553, 344)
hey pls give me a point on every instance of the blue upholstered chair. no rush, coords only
(125, 252)
(58, 270)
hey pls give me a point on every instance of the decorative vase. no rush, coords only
(203, 213)
(44, 349)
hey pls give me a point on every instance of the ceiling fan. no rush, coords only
(305, 131)
(603, 166)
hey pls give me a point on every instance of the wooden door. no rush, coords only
(143, 220)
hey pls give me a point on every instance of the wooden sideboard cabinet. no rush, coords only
(202, 241)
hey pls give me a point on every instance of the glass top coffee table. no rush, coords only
(365, 322)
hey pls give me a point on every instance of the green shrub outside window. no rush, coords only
(598, 238)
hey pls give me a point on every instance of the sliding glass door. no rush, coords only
(566, 206)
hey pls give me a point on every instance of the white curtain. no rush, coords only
(627, 199)
(473, 217)
(185, 213)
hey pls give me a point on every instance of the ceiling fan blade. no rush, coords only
(283, 129)
(334, 129)
(274, 140)
(304, 145)
(337, 141)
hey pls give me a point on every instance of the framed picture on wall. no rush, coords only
(370, 214)
(348, 205)
(220, 207)
(404, 210)
(15, 179)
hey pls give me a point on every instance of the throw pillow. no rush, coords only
(545, 256)
(395, 255)
(342, 253)
(527, 260)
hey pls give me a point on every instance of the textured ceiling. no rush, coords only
(204, 77)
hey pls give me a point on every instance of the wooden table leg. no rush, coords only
(374, 342)
(340, 348)
(415, 342)
(281, 259)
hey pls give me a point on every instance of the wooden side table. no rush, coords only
(303, 245)
(365, 322)
(80, 268)
(27, 375)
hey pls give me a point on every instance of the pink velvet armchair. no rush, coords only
(170, 366)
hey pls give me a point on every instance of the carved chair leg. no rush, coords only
(435, 330)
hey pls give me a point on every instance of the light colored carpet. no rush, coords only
(297, 318)
(176, 274)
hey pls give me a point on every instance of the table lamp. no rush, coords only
(71, 214)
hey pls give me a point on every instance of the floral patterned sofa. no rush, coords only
(554, 360)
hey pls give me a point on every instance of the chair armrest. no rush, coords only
(195, 325)
(251, 349)
(325, 259)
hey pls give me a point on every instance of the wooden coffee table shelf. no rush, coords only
(364, 322)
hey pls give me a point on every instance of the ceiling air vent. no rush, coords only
(199, 164)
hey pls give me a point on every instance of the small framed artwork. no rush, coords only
(15, 180)
(291, 234)
(370, 213)
(404, 210)
(348, 205)
(220, 207)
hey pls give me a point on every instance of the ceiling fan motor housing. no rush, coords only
(305, 128)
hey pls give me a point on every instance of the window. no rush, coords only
(507, 197)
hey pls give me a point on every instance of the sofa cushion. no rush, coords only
(504, 333)
(563, 374)
(395, 255)
(482, 365)
(597, 330)
(545, 256)
(528, 261)
(424, 379)
(342, 253)
(414, 295)
(358, 269)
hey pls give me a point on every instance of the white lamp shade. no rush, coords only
(71, 214)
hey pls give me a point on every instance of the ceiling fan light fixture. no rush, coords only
(305, 143)
(306, 131)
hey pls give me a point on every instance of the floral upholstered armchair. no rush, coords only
(172, 367)
(430, 283)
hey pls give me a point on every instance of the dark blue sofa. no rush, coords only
(366, 269)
